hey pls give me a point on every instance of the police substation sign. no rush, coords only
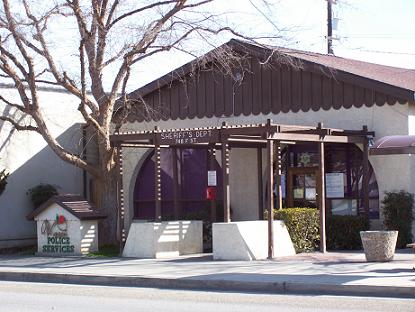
(58, 240)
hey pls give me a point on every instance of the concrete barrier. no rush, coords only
(248, 240)
(164, 239)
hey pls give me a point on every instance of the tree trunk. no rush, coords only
(106, 195)
(107, 201)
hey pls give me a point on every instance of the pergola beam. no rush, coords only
(300, 137)
(270, 201)
(322, 197)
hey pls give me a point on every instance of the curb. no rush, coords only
(285, 287)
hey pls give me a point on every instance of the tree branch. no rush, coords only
(17, 126)
(139, 10)
(17, 106)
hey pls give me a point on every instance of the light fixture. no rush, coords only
(370, 142)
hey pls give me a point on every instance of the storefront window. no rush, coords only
(344, 176)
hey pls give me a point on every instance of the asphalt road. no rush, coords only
(25, 297)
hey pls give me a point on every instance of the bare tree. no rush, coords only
(110, 36)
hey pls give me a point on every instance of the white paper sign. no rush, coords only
(334, 185)
(212, 178)
(283, 185)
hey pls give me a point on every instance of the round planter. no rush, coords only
(379, 245)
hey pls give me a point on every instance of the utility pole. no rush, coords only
(329, 28)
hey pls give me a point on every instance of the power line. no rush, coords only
(376, 37)
(383, 52)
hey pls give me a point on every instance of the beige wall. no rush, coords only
(28, 159)
(392, 172)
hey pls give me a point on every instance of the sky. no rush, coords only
(377, 31)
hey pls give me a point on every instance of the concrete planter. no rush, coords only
(379, 246)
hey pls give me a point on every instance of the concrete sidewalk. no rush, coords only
(341, 273)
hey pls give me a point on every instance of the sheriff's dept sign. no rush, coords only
(58, 240)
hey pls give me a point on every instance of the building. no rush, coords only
(29, 160)
(289, 87)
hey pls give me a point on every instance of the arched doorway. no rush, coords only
(190, 166)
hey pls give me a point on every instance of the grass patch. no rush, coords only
(106, 251)
(20, 251)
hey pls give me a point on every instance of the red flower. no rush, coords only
(61, 219)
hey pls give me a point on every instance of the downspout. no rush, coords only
(84, 173)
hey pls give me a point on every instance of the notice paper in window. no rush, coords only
(334, 185)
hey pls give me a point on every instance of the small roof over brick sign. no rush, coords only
(74, 204)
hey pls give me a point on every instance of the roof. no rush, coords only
(401, 78)
(263, 80)
(395, 76)
(394, 144)
(74, 204)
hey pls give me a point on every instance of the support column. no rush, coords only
(270, 202)
(365, 177)
(260, 185)
(175, 185)
(120, 199)
(225, 181)
(225, 176)
(157, 177)
(212, 166)
(322, 197)
(278, 167)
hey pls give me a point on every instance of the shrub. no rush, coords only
(303, 226)
(41, 193)
(343, 232)
(397, 208)
(3, 181)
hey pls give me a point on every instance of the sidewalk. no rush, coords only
(342, 273)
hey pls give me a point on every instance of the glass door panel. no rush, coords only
(302, 187)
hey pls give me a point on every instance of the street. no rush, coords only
(24, 297)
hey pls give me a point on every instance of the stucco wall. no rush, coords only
(30, 161)
(244, 184)
(392, 172)
(411, 128)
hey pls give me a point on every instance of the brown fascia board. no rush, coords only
(354, 79)
(366, 82)
(264, 52)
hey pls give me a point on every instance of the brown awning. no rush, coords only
(394, 144)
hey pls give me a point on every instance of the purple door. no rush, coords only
(192, 167)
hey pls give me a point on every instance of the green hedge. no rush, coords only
(397, 208)
(303, 226)
(343, 232)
